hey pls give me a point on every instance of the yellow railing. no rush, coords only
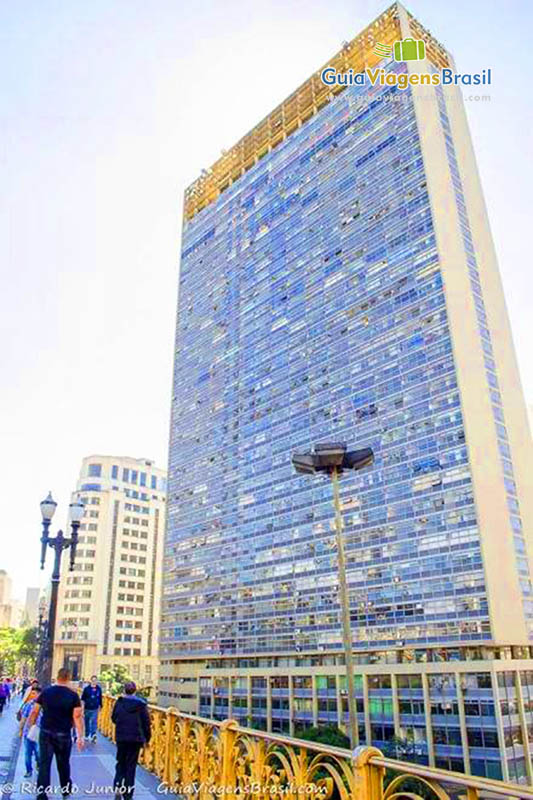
(207, 758)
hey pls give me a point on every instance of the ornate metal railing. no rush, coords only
(206, 758)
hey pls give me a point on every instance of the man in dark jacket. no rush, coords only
(132, 730)
(91, 698)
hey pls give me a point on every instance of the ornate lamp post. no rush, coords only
(333, 459)
(58, 543)
(41, 638)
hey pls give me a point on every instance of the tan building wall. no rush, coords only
(31, 606)
(508, 622)
(108, 610)
(12, 611)
(5, 588)
(5, 615)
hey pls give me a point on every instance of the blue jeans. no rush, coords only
(91, 718)
(30, 748)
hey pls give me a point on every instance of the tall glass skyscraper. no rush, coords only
(338, 282)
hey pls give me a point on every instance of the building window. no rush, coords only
(114, 472)
(94, 471)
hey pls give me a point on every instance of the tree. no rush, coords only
(29, 645)
(114, 679)
(406, 749)
(18, 650)
(325, 734)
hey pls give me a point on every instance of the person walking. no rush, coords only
(132, 731)
(2, 697)
(25, 695)
(31, 747)
(7, 687)
(61, 709)
(28, 688)
(91, 697)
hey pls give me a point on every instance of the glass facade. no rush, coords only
(311, 307)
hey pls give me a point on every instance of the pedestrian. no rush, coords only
(91, 697)
(132, 730)
(2, 697)
(61, 709)
(29, 686)
(7, 687)
(31, 746)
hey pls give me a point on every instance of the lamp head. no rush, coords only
(330, 456)
(77, 510)
(304, 462)
(357, 459)
(48, 507)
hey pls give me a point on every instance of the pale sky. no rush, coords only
(108, 110)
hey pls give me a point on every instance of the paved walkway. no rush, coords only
(92, 769)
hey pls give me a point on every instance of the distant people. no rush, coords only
(61, 709)
(91, 697)
(2, 697)
(31, 746)
(8, 688)
(132, 731)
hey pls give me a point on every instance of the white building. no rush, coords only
(108, 608)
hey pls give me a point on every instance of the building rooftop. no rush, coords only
(307, 100)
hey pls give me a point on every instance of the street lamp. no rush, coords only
(332, 458)
(58, 543)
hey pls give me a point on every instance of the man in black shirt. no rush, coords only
(61, 709)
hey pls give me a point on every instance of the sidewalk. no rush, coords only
(9, 743)
(92, 769)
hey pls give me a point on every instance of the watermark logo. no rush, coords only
(382, 50)
(404, 50)
(409, 50)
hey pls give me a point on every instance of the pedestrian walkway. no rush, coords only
(9, 742)
(92, 769)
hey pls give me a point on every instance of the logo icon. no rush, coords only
(409, 50)
(382, 50)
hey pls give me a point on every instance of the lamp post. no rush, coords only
(41, 634)
(58, 543)
(333, 459)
